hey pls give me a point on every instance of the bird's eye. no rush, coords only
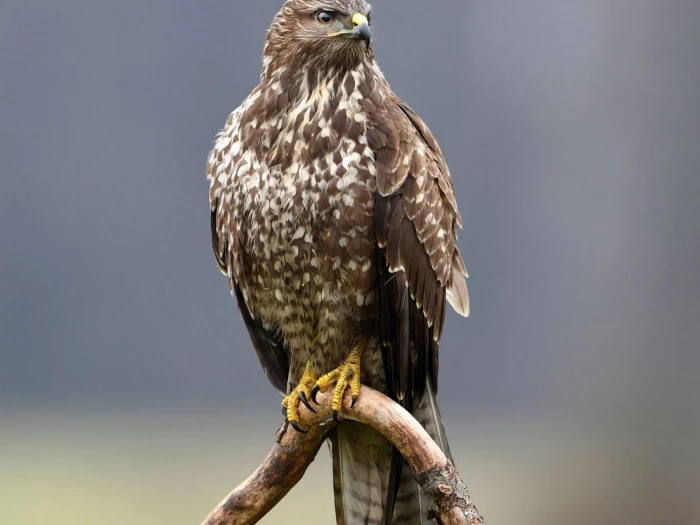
(324, 17)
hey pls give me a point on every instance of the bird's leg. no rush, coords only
(346, 375)
(290, 404)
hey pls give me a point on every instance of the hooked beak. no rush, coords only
(360, 30)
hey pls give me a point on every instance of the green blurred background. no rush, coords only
(129, 392)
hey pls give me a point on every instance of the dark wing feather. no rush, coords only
(268, 346)
(416, 221)
(418, 264)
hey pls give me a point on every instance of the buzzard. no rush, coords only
(334, 218)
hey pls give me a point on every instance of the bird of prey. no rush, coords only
(334, 218)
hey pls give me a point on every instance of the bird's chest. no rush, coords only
(307, 226)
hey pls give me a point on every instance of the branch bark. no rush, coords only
(293, 452)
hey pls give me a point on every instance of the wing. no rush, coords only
(420, 267)
(226, 243)
(268, 346)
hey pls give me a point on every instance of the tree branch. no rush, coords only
(293, 452)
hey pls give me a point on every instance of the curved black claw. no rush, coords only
(335, 416)
(302, 398)
(284, 411)
(314, 393)
(296, 427)
(354, 400)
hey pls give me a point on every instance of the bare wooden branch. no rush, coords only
(293, 452)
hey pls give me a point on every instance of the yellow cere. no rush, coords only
(359, 19)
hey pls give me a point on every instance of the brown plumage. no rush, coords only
(334, 218)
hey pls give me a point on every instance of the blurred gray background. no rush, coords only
(129, 391)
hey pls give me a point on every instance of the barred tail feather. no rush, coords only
(361, 465)
(361, 471)
(412, 506)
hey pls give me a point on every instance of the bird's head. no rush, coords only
(320, 31)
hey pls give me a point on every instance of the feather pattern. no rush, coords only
(415, 226)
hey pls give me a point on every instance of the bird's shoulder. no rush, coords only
(407, 153)
(417, 215)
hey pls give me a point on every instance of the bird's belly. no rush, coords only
(309, 271)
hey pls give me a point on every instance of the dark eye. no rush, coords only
(324, 17)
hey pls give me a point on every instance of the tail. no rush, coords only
(363, 482)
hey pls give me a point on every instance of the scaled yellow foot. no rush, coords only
(346, 375)
(290, 404)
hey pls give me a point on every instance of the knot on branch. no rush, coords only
(447, 491)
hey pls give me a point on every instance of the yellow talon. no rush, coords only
(346, 375)
(290, 404)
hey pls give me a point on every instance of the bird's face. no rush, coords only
(333, 21)
(332, 30)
